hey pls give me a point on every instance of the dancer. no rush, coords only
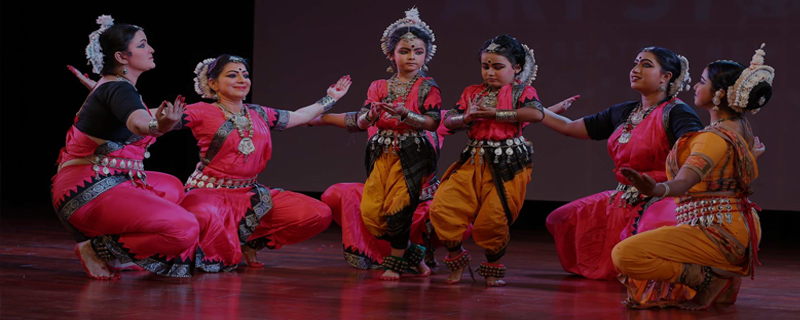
(486, 186)
(239, 216)
(116, 210)
(400, 159)
(640, 135)
(710, 172)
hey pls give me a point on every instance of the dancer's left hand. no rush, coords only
(82, 77)
(643, 182)
(339, 89)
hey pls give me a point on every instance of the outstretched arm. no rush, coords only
(329, 119)
(335, 92)
(564, 125)
(678, 186)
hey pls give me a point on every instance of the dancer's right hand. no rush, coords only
(562, 106)
(339, 89)
(168, 114)
(82, 77)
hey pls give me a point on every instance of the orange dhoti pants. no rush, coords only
(651, 263)
(468, 195)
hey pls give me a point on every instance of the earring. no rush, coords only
(662, 88)
(216, 97)
(390, 69)
(124, 70)
(717, 99)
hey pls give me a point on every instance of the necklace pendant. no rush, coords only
(246, 146)
(625, 137)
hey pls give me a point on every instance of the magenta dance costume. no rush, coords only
(130, 215)
(361, 249)
(587, 229)
(232, 208)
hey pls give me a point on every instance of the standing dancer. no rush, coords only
(486, 186)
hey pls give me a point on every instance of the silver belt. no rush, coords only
(200, 180)
(707, 211)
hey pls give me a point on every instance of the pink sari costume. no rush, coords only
(587, 229)
(361, 249)
(130, 215)
(232, 208)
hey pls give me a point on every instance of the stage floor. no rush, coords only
(41, 278)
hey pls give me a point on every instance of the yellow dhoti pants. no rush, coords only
(468, 196)
(385, 194)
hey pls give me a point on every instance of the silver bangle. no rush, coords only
(414, 119)
(666, 190)
(506, 116)
(454, 122)
(153, 126)
(327, 103)
(364, 120)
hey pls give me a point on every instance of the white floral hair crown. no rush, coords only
(201, 79)
(757, 72)
(411, 20)
(94, 53)
(530, 69)
(682, 83)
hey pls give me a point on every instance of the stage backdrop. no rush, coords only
(582, 47)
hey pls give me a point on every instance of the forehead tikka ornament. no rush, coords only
(757, 72)
(411, 20)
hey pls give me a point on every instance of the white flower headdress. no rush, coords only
(530, 69)
(682, 83)
(411, 20)
(757, 72)
(201, 79)
(94, 53)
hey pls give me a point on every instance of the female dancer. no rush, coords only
(640, 134)
(400, 158)
(101, 192)
(237, 215)
(716, 240)
(486, 187)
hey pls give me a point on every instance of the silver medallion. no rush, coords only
(625, 137)
(246, 146)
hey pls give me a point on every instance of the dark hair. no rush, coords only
(395, 37)
(724, 74)
(508, 47)
(115, 38)
(220, 62)
(668, 60)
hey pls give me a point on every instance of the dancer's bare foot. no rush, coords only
(250, 256)
(495, 282)
(423, 270)
(729, 296)
(455, 276)
(94, 267)
(703, 299)
(390, 275)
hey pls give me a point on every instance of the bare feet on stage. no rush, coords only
(455, 276)
(495, 282)
(390, 275)
(705, 298)
(250, 257)
(94, 267)
(423, 270)
(729, 296)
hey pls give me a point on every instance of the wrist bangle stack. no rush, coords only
(506, 116)
(153, 126)
(454, 122)
(414, 119)
(364, 120)
(327, 103)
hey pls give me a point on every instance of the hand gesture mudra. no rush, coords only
(562, 106)
(168, 114)
(643, 182)
(339, 89)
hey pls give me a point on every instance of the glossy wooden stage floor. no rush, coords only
(40, 278)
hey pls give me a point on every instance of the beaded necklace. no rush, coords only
(489, 100)
(242, 123)
(399, 90)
